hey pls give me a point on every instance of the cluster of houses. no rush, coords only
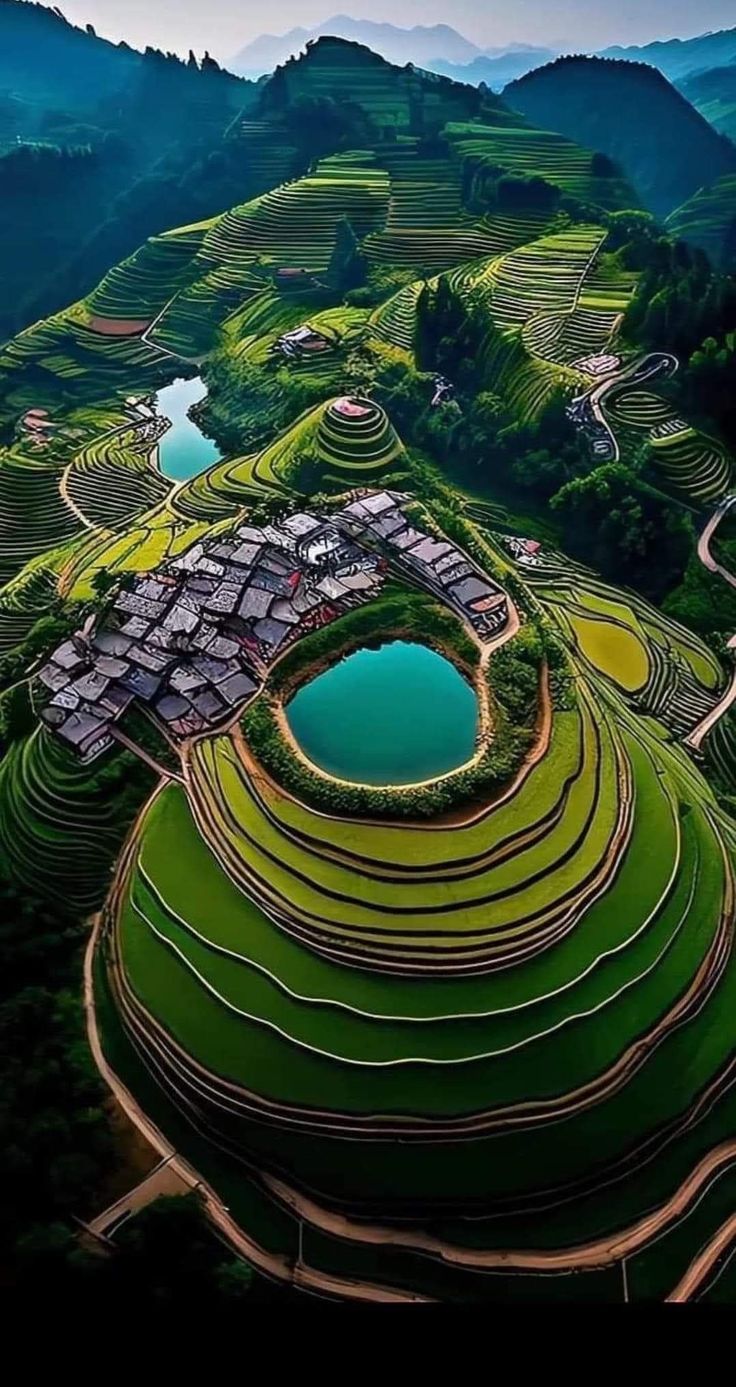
(436, 564)
(193, 641)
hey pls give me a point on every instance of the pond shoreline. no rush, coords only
(184, 450)
(350, 645)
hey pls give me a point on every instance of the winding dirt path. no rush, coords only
(701, 1269)
(270, 1263)
(704, 550)
(600, 1252)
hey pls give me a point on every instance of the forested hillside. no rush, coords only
(633, 114)
(708, 220)
(714, 94)
(101, 146)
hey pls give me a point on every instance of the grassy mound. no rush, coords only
(356, 435)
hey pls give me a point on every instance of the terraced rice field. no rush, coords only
(685, 459)
(708, 218)
(254, 991)
(27, 597)
(31, 488)
(544, 296)
(693, 463)
(529, 961)
(635, 647)
(614, 650)
(295, 224)
(523, 150)
(112, 481)
(453, 1057)
(138, 289)
(56, 837)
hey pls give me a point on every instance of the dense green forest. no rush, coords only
(100, 147)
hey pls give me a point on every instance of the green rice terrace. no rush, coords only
(459, 1028)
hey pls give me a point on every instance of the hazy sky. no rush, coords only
(224, 26)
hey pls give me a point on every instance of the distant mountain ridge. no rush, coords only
(680, 58)
(441, 48)
(632, 113)
(497, 71)
(422, 44)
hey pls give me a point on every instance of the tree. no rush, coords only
(624, 528)
(348, 268)
(602, 167)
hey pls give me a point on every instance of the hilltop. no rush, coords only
(353, 78)
(635, 116)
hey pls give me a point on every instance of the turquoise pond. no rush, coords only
(183, 451)
(386, 717)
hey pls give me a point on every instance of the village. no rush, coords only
(193, 641)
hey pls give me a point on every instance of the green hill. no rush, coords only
(392, 99)
(633, 114)
(714, 94)
(101, 146)
(464, 1039)
(708, 220)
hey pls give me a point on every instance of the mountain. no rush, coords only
(361, 97)
(713, 93)
(497, 70)
(632, 113)
(48, 64)
(708, 220)
(101, 146)
(424, 45)
(680, 58)
(449, 407)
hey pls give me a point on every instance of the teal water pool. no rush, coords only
(390, 716)
(184, 451)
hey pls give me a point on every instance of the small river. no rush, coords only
(390, 716)
(183, 451)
